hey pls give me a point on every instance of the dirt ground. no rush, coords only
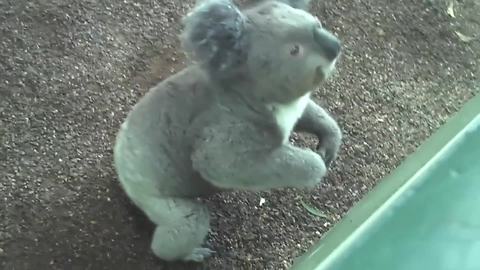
(71, 70)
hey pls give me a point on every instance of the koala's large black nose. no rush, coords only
(328, 43)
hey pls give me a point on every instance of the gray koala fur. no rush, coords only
(223, 122)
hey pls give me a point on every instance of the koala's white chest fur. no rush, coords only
(287, 115)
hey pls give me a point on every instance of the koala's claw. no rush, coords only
(199, 254)
(326, 154)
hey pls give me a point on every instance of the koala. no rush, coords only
(223, 123)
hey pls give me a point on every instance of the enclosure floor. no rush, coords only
(71, 70)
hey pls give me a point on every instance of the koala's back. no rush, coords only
(153, 147)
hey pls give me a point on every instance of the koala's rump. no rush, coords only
(153, 147)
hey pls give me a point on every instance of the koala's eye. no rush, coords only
(295, 50)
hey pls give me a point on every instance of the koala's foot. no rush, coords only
(199, 254)
(181, 236)
(172, 243)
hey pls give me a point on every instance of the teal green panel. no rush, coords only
(424, 215)
(433, 222)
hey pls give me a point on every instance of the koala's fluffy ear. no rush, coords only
(300, 4)
(214, 35)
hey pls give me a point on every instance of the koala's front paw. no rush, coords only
(328, 148)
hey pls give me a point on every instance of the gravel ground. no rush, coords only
(71, 70)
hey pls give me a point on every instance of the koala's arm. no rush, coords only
(317, 121)
(241, 157)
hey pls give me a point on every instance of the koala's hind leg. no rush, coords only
(181, 237)
(182, 226)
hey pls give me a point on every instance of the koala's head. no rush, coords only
(277, 46)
